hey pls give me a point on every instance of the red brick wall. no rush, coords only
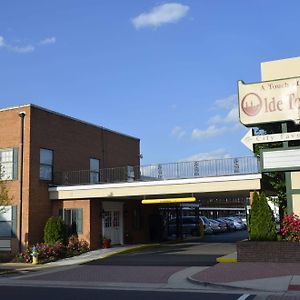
(73, 142)
(10, 133)
(85, 205)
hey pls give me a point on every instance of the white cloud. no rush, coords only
(227, 103)
(16, 49)
(231, 117)
(215, 154)
(2, 43)
(162, 14)
(48, 41)
(212, 130)
(177, 132)
(21, 49)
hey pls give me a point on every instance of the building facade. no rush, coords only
(54, 143)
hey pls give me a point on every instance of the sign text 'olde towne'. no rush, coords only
(271, 101)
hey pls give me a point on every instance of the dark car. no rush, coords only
(190, 225)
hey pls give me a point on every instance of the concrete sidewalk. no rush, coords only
(75, 260)
(268, 277)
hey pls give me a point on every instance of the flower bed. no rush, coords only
(285, 250)
(53, 252)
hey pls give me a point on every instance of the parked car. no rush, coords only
(215, 226)
(238, 224)
(228, 222)
(190, 225)
(222, 224)
(207, 226)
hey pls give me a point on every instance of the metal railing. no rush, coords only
(166, 171)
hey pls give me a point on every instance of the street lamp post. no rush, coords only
(22, 115)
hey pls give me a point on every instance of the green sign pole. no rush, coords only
(288, 179)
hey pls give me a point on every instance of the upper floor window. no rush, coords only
(8, 164)
(46, 164)
(94, 170)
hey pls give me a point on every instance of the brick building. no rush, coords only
(54, 143)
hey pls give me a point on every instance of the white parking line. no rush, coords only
(243, 297)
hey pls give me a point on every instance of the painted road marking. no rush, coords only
(243, 297)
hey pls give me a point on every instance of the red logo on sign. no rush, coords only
(251, 104)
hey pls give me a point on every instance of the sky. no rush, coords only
(165, 72)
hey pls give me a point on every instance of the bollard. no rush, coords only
(201, 230)
(35, 256)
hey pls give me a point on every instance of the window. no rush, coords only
(73, 218)
(94, 170)
(8, 221)
(46, 164)
(9, 164)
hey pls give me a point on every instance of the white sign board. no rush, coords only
(269, 101)
(281, 159)
(248, 140)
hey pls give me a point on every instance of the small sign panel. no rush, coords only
(281, 159)
(269, 101)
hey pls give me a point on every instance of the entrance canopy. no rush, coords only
(182, 187)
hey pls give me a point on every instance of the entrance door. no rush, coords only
(112, 223)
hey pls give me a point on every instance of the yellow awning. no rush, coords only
(169, 200)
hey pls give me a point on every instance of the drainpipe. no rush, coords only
(22, 115)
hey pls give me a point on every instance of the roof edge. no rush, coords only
(69, 117)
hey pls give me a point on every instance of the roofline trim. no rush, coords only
(157, 183)
(69, 117)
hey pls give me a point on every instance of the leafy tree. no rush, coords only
(55, 231)
(261, 222)
(4, 197)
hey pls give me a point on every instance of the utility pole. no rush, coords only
(22, 115)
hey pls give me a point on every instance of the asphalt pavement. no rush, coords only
(29, 293)
(164, 268)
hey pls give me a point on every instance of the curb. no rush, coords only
(227, 287)
(294, 287)
(128, 250)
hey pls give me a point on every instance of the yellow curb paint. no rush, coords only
(226, 260)
(121, 251)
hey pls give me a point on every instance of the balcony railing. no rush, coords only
(177, 170)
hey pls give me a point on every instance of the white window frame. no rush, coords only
(94, 170)
(7, 164)
(47, 165)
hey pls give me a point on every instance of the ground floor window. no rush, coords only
(8, 221)
(73, 218)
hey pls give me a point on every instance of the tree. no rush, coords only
(55, 231)
(261, 222)
(5, 199)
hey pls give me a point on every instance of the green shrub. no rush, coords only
(55, 231)
(52, 252)
(262, 226)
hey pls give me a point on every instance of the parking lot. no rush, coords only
(186, 226)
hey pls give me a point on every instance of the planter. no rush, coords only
(106, 243)
(268, 251)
